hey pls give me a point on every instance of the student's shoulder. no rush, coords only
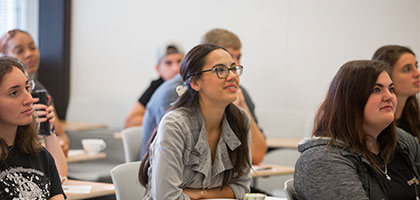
(167, 90)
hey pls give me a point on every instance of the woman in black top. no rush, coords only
(27, 170)
(405, 76)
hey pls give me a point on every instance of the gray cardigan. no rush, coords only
(334, 172)
(180, 157)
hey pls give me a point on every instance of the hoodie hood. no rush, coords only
(309, 142)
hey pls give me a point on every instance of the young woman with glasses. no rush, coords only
(201, 147)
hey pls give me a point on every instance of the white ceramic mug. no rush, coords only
(93, 146)
(254, 196)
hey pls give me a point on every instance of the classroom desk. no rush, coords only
(264, 170)
(118, 135)
(266, 198)
(288, 143)
(81, 126)
(97, 189)
(78, 155)
(275, 198)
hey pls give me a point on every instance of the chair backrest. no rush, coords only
(131, 140)
(126, 182)
(289, 189)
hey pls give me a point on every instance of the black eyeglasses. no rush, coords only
(222, 71)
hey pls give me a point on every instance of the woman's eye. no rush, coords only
(18, 51)
(391, 89)
(221, 70)
(12, 94)
(32, 47)
(406, 69)
(28, 88)
(376, 90)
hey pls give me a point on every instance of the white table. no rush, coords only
(264, 170)
(78, 155)
(81, 126)
(96, 189)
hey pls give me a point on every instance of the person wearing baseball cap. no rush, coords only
(169, 57)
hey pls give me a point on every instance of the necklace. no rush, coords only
(386, 173)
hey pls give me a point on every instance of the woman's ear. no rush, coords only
(195, 83)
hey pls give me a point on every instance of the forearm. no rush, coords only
(225, 192)
(63, 136)
(133, 120)
(53, 146)
(57, 197)
(258, 143)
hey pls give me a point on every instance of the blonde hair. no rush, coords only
(223, 38)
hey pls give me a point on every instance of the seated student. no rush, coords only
(405, 75)
(19, 44)
(169, 59)
(170, 90)
(356, 152)
(27, 170)
(200, 149)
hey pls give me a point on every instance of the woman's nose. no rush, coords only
(416, 72)
(28, 53)
(28, 98)
(388, 95)
(232, 76)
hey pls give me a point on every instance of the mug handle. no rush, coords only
(103, 145)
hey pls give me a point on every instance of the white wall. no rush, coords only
(291, 49)
(32, 18)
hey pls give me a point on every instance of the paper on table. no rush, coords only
(76, 152)
(261, 168)
(79, 189)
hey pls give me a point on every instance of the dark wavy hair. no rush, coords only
(341, 115)
(26, 136)
(192, 63)
(410, 117)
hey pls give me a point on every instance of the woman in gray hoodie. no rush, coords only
(356, 152)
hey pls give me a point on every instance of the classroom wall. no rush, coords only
(291, 49)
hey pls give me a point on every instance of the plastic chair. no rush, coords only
(131, 140)
(289, 189)
(126, 182)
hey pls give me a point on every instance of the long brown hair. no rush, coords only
(411, 113)
(192, 63)
(341, 114)
(26, 136)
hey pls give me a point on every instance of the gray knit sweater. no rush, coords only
(333, 172)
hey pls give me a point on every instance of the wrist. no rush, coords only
(202, 193)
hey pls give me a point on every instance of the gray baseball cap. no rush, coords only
(167, 49)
